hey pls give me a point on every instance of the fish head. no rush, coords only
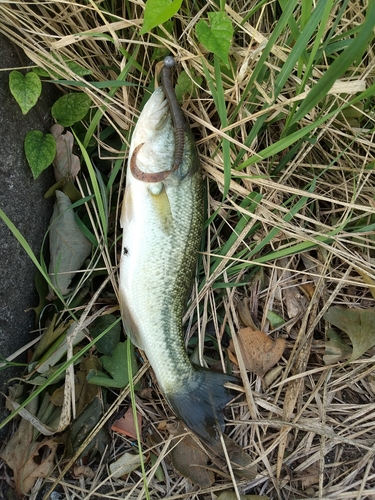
(155, 111)
(154, 135)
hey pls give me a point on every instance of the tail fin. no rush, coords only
(201, 402)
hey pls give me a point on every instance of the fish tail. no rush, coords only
(201, 403)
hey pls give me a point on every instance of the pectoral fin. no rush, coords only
(127, 208)
(163, 209)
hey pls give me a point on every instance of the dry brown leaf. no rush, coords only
(310, 476)
(260, 353)
(126, 424)
(191, 462)
(81, 471)
(29, 460)
(65, 164)
(125, 464)
(241, 462)
(232, 495)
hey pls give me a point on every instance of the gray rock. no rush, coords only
(21, 198)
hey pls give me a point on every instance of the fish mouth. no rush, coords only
(161, 111)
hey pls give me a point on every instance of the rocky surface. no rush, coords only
(21, 198)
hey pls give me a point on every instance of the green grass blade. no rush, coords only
(134, 409)
(340, 65)
(101, 204)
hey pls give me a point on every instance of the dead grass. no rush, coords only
(310, 431)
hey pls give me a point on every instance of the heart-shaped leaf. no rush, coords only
(358, 324)
(217, 37)
(107, 344)
(26, 89)
(40, 151)
(71, 108)
(158, 12)
(116, 366)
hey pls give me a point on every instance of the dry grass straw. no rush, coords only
(310, 432)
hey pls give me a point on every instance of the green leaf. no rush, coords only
(81, 428)
(71, 108)
(116, 366)
(158, 12)
(75, 67)
(42, 289)
(40, 151)
(185, 85)
(336, 349)
(26, 89)
(107, 344)
(218, 37)
(69, 247)
(352, 53)
(358, 324)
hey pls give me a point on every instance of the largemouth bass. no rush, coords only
(162, 217)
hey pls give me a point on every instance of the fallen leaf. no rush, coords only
(310, 476)
(159, 473)
(82, 427)
(69, 247)
(66, 164)
(244, 313)
(190, 461)
(126, 424)
(241, 462)
(275, 320)
(308, 289)
(232, 495)
(125, 464)
(260, 353)
(336, 349)
(358, 324)
(294, 302)
(84, 392)
(49, 337)
(28, 459)
(58, 349)
(272, 375)
(81, 471)
(366, 278)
